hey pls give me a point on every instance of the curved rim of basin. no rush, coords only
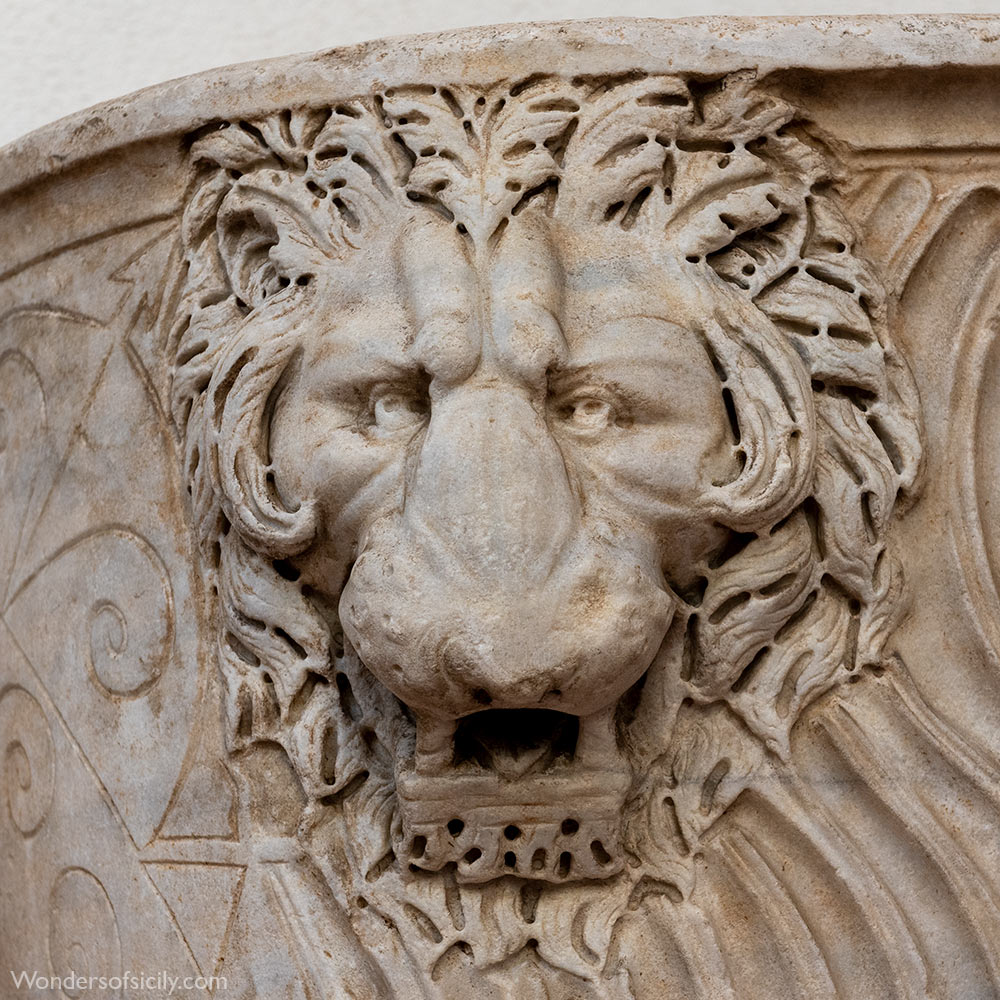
(709, 45)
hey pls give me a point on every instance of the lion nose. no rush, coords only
(491, 486)
(491, 588)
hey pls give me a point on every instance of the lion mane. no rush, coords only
(824, 419)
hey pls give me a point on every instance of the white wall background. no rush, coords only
(58, 56)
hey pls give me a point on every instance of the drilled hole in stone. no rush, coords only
(510, 860)
(538, 860)
(473, 855)
(565, 863)
(455, 827)
(418, 847)
(285, 569)
(570, 826)
(512, 832)
(601, 856)
(328, 756)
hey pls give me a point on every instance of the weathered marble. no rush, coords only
(507, 514)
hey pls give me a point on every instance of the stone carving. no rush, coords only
(527, 430)
(83, 930)
(29, 760)
(546, 437)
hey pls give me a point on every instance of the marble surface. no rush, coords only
(507, 514)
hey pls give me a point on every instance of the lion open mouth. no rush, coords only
(529, 792)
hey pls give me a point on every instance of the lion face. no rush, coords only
(506, 473)
(533, 436)
(502, 489)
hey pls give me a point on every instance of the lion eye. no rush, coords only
(395, 410)
(588, 413)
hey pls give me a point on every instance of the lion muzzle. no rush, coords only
(510, 623)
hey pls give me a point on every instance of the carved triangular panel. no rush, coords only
(202, 899)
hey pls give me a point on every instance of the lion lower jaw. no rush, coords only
(559, 824)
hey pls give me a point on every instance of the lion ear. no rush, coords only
(239, 399)
(272, 232)
(769, 399)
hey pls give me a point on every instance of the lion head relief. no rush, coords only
(542, 443)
